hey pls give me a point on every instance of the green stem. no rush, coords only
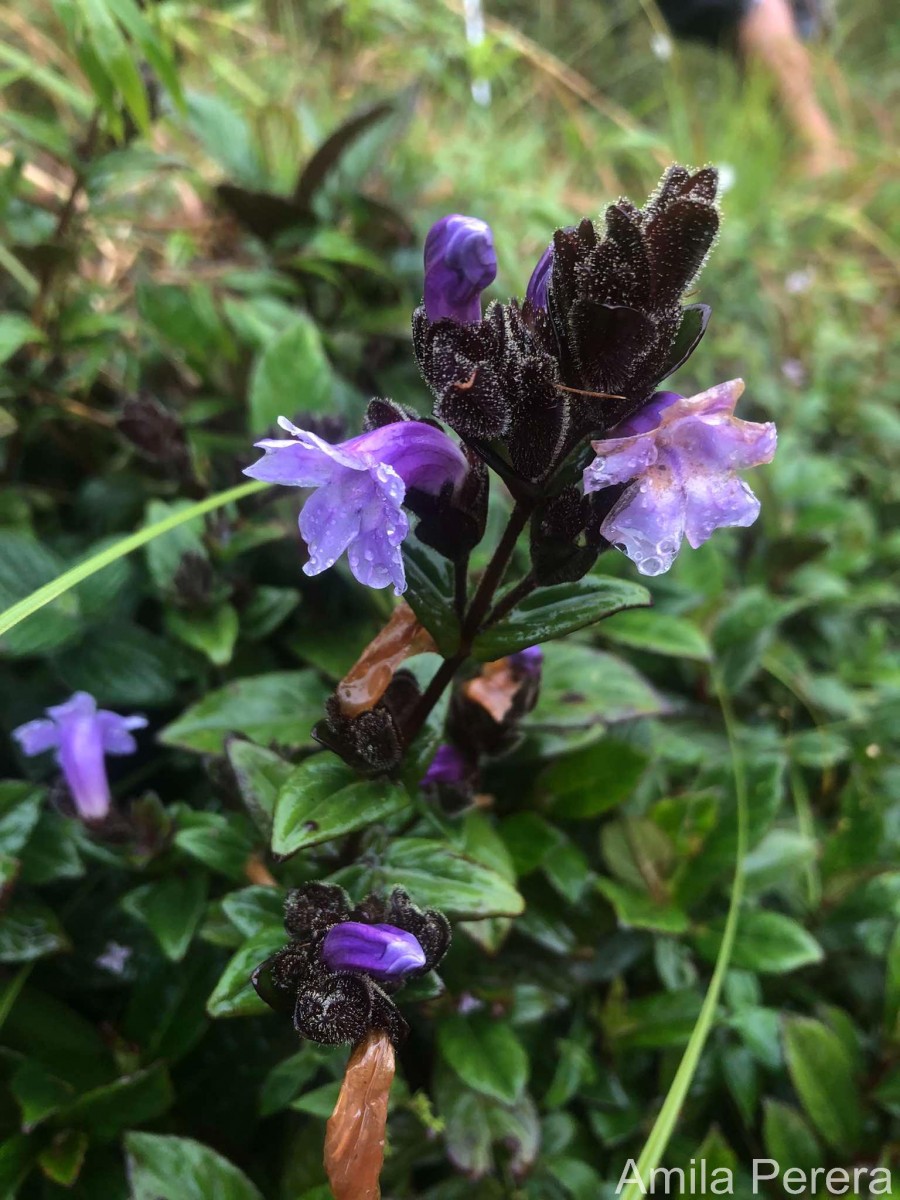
(664, 1126)
(75, 575)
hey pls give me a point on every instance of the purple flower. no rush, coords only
(679, 456)
(539, 283)
(82, 735)
(460, 262)
(528, 661)
(381, 951)
(361, 488)
(449, 766)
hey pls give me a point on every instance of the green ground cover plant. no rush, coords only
(675, 898)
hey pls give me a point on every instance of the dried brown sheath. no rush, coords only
(354, 1135)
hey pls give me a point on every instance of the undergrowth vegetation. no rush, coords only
(213, 215)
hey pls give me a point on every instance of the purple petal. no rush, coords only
(539, 283)
(375, 557)
(647, 417)
(647, 524)
(715, 501)
(424, 457)
(382, 951)
(81, 758)
(460, 262)
(79, 704)
(115, 731)
(35, 737)
(330, 518)
(619, 460)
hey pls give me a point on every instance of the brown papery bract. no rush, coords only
(354, 1135)
(495, 689)
(367, 680)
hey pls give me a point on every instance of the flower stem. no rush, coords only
(471, 623)
(510, 599)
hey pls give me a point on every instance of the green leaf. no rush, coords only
(212, 632)
(822, 1074)
(26, 565)
(233, 995)
(292, 371)
(638, 910)
(128, 666)
(323, 799)
(892, 987)
(592, 780)
(659, 633)
(171, 909)
(767, 942)
(254, 909)
(486, 1054)
(438, 877)
(165, 554)
(20, 809)
(96, 562)
(38, 1093)
(260, 775)
(130, 1099)
(223, 843)
(280, 707)
(429, 593)
(552, 612)
(583, 688)
(63, 1159)
(174, 1168)
(30, 930)
(788, 1139)
(16, 332)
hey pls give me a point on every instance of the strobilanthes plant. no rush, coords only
(558, 398)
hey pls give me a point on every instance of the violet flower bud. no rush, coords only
(82, 735)
(449, 766)
(362, 483)
(381, 951)
(679, 457)
(539, 283)
(528, 661)
(460, 262)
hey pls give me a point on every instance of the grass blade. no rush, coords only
(56, 587)
(664, 1125)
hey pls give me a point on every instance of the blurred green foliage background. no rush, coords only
(212, 214)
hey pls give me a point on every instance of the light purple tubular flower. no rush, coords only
(460, 262)
(449, 766)
(679, 456)
(539, 283)
(382, 951)
(361, 487)
(82, 735)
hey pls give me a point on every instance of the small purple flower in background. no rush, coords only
(82, 735)
(539, 283)
(528, 661)
(361, 488)
(679, 456)
(381, 951)
(449, 766)
(460, 262)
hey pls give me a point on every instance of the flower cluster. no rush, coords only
(530, 388)
(337, 974)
